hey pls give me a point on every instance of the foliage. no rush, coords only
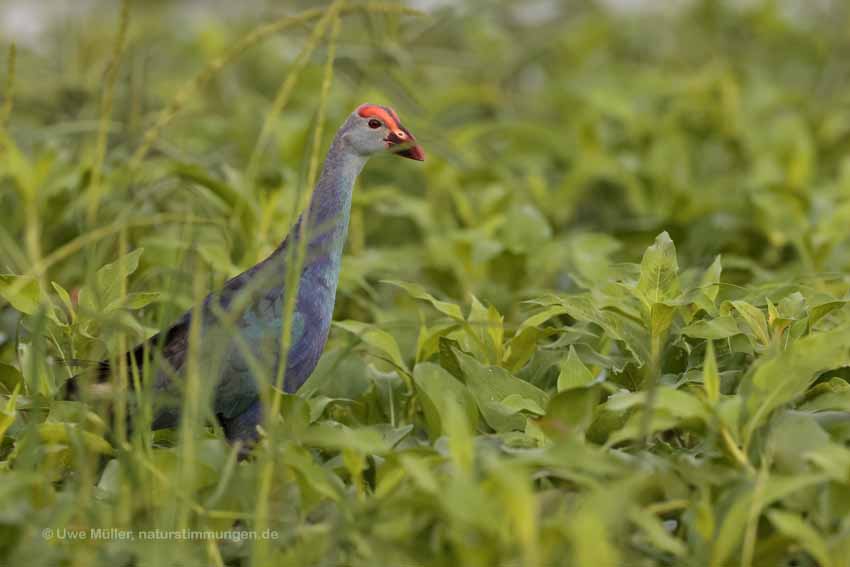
(605, 323)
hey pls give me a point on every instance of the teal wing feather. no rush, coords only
(253, 358)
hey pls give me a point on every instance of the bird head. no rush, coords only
(373, 128)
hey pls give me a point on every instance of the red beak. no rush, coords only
(405, 145)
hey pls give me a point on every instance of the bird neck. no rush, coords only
(330, 205)
(325, 222)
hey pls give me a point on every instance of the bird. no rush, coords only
(240, 325)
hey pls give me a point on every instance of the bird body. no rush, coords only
(242, 323)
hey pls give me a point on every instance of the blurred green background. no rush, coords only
(508, 424)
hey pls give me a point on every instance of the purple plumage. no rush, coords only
(241, 324)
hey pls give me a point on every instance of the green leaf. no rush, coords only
(525, 229)
(791, 435)
(436, 387)
(295, 412)
(678, 403)
(520, 502)
(377, 338)
(616, 325)
(459, 426)
(573, 372)
(418, 292)
(521, 348)
(10, 377)
(721, 327)
(710, 376)
(755, 320)
(448, 357)
(654, 531)
(316, 482)
(793, 526)
(832, 459)
(540, 318)
(821, 310)
(56, 432)
(779, 379)
(659, 272)
(660, 319)
(517, 403)
(672, 409)
(485, 332)
(332, 435)
(9, 413)
(709, 283)
(66, 299)
(134, 301)
(22, 292)
(490, 385)
(571, 411)
(108, 282)
(732, 523)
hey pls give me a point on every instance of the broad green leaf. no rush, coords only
(832, 459)
(517, 403)
(521, 348)
(590, 254)
(449, 358)
(793, 526)
(295, 412)
(779, 379)
(616, 325)
(10, 377)
(137, 300)
(754, 319)
(520, 502)
(590, 529)
(732, 523)
(316, 481)
(721, 327)
(108, 282)
(573, 372)
(821, 310)
(662, 420)
(484, 332)
(833, 394)
(570, 411)
(56, 432)
(791, 435)
(377, 338)
(678, 403)
(22, 292)
(418, 292)
(436, 387)
(490, 385)
(660, 319)
(332, 435)
(525, 229)
(654, 531)
(659, 272)
(459, 426)
(428, 340)
(540, 318)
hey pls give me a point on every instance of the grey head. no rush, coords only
(373, 128)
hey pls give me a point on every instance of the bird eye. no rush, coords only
(374, 123)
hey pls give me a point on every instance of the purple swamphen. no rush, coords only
(241, 324)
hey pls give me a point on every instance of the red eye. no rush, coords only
(374, 124)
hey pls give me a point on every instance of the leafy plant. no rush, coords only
(607, 323)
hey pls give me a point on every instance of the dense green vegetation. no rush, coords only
(606, 323)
